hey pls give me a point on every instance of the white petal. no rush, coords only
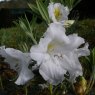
(2, 51)
(17, 54)
(27, 58)
(51, 71)
(67, 10)
(44, 43)
(72, 65)
(50, 11)
(19, 61)
(75, 40)
(83, 51)
(76, 68)
(37, 52)
(37, 56)
(64, 11)
(24, 76)
(14, 63)
(25, 73)
(57, 32)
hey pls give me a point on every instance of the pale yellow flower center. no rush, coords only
(57, 13)
(50, 50)
(50, 47)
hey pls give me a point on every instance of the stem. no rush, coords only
(51, 1)
(92, 81)
(90, 85)
(72, 85)
(73, 88)
(1, 84)
(33, 39)
(26, 90)
(50, 88)
(35, 42)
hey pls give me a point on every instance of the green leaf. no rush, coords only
(27, 27)
(33, 8)
(76, 2)
(93, 55)
(70, 3)
(92, 76)
(50, 89)
(43, 10)
(24, 47)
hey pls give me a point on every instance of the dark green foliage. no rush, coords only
(13, 37)
(85, 29)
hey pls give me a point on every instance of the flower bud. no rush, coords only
(80, 86)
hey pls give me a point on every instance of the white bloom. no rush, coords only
(57, 53)
(18, 61)
(57, 12)
(50, 68)
(57, 31)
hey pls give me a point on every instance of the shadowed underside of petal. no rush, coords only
(18, 61)
(24, 76)
(14, 63)
(84, 51)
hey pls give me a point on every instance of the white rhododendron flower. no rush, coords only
(57, 53)
(49, 66)
(58, 12)
(18, 61)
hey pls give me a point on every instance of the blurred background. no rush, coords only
(11, 10)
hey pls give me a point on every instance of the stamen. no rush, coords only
(50, 47)
(57, 13)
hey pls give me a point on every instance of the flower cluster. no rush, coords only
(55, 54)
